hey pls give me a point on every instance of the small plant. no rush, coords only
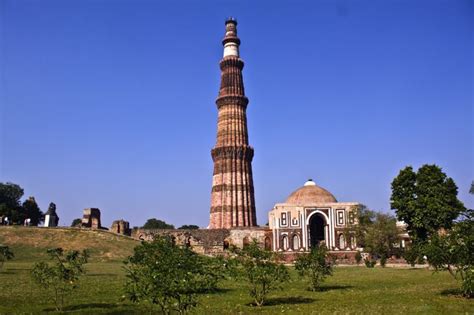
(261, 270)
(370, 263)
(63, 275)
(5, 254)
(358, 257)
(168, 276)
(454, 252)
(315, 265)
(383, 261)
(411, 255)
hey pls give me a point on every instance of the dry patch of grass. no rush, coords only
(31, 242)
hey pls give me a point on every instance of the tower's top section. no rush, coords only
(231, 42)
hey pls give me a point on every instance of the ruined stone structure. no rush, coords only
(120, 227)
(211, 241)
(91, 218)
(232, 197)
(51, 218)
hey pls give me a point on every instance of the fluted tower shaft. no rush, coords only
(232, 197)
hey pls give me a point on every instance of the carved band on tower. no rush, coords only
(232, 197)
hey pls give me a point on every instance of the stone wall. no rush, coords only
(208, 241)
(91, 218)
(121, 227)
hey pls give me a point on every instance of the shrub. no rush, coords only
(315, 265)
(5, 254)
(166, 275)
(370, 263)
(358, 257)
(260, 269)
(411, 254)
(454, 252)
(383, 260)
(76, 222)
(62, 276)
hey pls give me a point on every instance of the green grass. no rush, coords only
(352, 290)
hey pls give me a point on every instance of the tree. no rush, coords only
(454, 252)
(425, 200)
(155, 224)
(61, 277)
(10, 195)
(364, 219)
(5, 254)
(261, 270)
(315, 265)
(32, 211)
(76, 222)
(189, 227)
(376, 232)
(166, 275)
(382, 236)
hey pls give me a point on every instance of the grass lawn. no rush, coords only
(352, 290)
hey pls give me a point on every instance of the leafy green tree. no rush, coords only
(10, 195)
(454, 251)
(189, 227)
(425, 200)
(376, 232)
(261, 270)
(364, 218)
(5, 254)
(155, 224)
(76, 222)
(166, 275)
(32, 211)
(62, 276)
(382, 236)
(315, 265)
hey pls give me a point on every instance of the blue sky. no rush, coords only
(110, 104)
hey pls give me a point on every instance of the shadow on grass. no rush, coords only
(101, 275)
(334, 287)
(84, 307)
(216, 291)
(7, 272)
(288, 300)
(452, 292)
(18, 269)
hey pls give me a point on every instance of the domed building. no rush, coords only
(310, 216)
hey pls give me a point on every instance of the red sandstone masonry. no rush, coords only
(232, 197)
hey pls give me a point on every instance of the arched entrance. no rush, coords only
(316, 228)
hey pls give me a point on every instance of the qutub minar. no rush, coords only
(232, 197)
(309, 216)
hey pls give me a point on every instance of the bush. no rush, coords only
(383, 261)
(315, 265)
(411, 254)
(166, 275)
(370, 263)
(5, 254)
(260, 269)
(62, 276)
(358, 257)
(454, 252)
(76, 222)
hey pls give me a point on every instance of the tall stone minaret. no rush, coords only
(232, 197)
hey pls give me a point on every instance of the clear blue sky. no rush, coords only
(110, 104)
